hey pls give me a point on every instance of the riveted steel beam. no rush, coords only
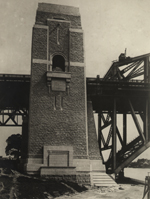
(136, 121)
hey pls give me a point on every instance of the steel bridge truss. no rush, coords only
(130, 69)
(124, 91)
(14, 99)
(12, 117)
(109, 137)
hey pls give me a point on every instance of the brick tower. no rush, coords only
(61, 132)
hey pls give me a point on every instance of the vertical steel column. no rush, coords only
(146, 69)
(124, 129)
(146, 120)
(114, 135)
(2, 117)
(136, 121)
(147, 113)
(147, 110)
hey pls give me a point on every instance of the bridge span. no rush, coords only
(14, 98)
(124, 90)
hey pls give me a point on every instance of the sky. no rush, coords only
(109, 27)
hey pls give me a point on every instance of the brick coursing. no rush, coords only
(83, 178)
(42, 17)
(39, 45)
(61, 9)
(57, 127)
(92, 137)
(63, 39)
(78, 178)
(76, 49)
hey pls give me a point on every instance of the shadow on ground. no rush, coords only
(127, 180)
(14, 184)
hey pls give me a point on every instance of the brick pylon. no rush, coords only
(60, 131)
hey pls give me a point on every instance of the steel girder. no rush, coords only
(14, 99)
(124, 90)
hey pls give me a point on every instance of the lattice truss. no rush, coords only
(12, 117)
(129, 69)
(124, 149)
(126, 70)
(14, 99)
(123, 92)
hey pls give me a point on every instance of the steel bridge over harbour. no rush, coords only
(124, 90)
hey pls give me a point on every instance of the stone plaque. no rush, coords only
(58, 85)
(59, 158)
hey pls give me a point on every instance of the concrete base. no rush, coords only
(44, 171)
(82, 165)
(101, 179)
(79, 170)
(96, 165)
(32, 165)
(82, 171)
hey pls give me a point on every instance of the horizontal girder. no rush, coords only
(14, 99)
(14, 91)
(124, 90)
(101, 93)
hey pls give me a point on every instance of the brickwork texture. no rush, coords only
(57, 127)
(59, 117)
(92, 137)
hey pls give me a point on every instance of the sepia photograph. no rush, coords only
(74, 99)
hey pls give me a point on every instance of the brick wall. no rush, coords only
(76, 46)
(92, 137)
(42, 17)
(57, 127)
(63, 39)
(39, 43)
(57, 118)
(70, 42)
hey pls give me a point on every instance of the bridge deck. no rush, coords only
(14, 91)
(119, 92)
(125, 89)
(102, 93)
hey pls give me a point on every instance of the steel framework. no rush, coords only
(14, 99)
(124, 90)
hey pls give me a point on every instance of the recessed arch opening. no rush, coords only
(58, 63)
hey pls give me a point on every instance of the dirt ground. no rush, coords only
(127, 191)
(14, 185)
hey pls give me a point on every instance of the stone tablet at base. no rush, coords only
(60, 129)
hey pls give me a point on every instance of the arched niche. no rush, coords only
(58, 63)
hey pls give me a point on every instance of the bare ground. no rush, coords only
(127, 192)
(14, 185)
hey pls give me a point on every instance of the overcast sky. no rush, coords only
(109, 27)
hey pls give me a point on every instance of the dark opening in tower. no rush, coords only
(58, 63)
